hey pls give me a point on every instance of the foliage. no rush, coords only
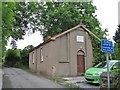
(55, 21)
(114, 79)
(26, 19)
(20, 65)
(117, 38)
(52, 18)
(0, 30)
(49, 19)
(115, 55)
(7, 22)
(21, 17)
(15, 24)
(12, 57)
(13, 44)
(25, 55)
(17, 57)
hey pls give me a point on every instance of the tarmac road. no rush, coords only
(17, 78)
(1, 78)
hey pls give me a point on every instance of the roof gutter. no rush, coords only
(92, 33)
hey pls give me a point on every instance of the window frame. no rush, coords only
(41, 54)
(33, 57)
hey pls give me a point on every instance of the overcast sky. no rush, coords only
(107, 14)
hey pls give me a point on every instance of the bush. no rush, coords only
(25, 55)
(114, 80)
(12, 57)
(20, 65)
(18, 58)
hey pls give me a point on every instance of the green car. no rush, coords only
(92, 75)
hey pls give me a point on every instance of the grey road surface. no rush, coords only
(1, 79)
(17, 78)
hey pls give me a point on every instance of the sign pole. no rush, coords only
(107, 47)
(108, 74)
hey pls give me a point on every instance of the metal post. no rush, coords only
(108, 74)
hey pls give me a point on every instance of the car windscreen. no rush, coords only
(103, 65)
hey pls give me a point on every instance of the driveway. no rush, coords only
(17, 78)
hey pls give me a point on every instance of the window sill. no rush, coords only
(41, 61)
(63, 61)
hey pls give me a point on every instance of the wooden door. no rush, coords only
(80, 64)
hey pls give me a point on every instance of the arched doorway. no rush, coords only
(80, 62)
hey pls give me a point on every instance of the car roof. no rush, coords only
(113, 61)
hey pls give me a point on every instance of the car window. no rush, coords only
(103, 65)
(100, 65)
(117, 65)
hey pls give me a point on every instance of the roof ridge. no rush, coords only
(63, 33)
(60, 34)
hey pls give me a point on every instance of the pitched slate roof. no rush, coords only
(63, 33)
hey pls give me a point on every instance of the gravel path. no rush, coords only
(80, 82)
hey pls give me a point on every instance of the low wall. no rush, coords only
(114, 80)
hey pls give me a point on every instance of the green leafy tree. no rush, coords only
(26, 19)
(25, 55)
(12, 57)
(52, 18)
(0, 30)
(13, 44)
(18, 22)
(117, 37)
(7, 22)
(58, 17)
(115, 55)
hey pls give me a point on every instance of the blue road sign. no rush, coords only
(107, 46)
